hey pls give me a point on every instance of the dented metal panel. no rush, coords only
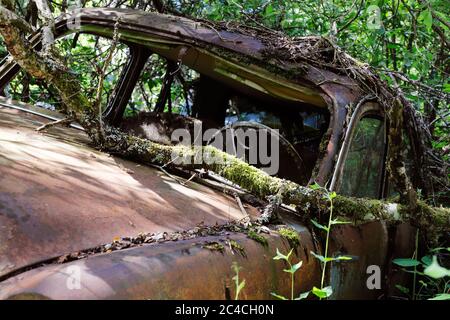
(175, 270)
(58, 195)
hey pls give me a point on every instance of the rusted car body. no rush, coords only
(59, 196)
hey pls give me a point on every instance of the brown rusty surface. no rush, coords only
(174, 270)
(58, 195)
(341, 98)
(402, 246)
(367, 245)
(373, 243)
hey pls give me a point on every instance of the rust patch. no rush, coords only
(58, 195)
(165, 271)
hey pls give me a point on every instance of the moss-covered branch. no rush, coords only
(308, 203)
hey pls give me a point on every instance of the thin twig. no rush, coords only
(241, 207)
(98, 97)
(64, 121)
(167, 173)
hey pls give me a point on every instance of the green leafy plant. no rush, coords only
(239, 285)
(293, 268)
(433, 281)
(325, 292)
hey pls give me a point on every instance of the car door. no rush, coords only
(360, 169)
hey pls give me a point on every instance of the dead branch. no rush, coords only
(64, 121)
(97, 105)
(49, 25)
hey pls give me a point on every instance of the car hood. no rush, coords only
(59, 195)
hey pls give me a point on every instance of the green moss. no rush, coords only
(360, 210)
(290, 235)
(323, 147)
(252, 234)
(236, 247)
(214, 246)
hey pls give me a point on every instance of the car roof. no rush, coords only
(59, 195)
(237, 58)
(221, 54)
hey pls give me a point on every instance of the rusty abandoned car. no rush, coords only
(135, 232)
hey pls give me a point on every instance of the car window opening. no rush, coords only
(85, 55)
(362, 172)
(169, 95)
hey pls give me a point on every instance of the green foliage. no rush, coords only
(291, 270)
(325, 292)
(239, 285)
(409, 37)
(406, 36)
(441, 296)
(433, 279)
(85, 55)
(406, 262)
(435, 271)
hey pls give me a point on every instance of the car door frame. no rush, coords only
(362, 110)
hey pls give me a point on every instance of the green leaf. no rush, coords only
(346, 258)
(333, 195)
(328, 259)
(423, 283)
(440, 249)
(393, 45)
(435, 271)
(318, 256)
(427, 18)
(406, 262)
(315, 186)
(426, 260)
(236, 268)
(322, 293)
(337, 221)
(280, 256)
(318, 225)
(295, 267)
(441, 296)
(278, 296)
(447, 90)
(303, 295)
(240, 287)
(289, 254)
(402, 289)
(269, 10)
